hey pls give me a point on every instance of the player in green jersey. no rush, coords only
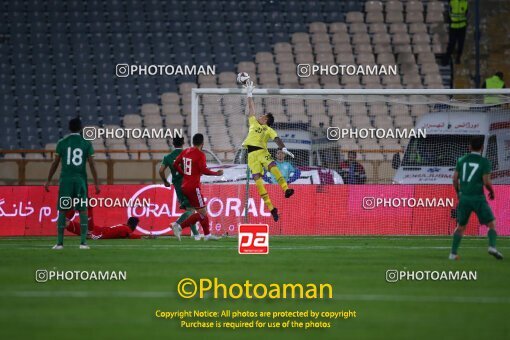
(168, 162)
(472, 173)
(74, 151)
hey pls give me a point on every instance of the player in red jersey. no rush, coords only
(191, 163)
(96, 232)
(117, 231)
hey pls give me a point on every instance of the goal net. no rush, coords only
(367, 162)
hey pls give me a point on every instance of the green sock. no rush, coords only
(457, 237)
(61, 225)
(183, 217)
(84, 226)
(491, 234)
(194, 229)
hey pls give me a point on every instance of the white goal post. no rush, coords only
(375, 151)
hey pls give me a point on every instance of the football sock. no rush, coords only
(204, 222)
(194, 218)
(84, 226)
(263, 193)
(491, 234)
(279, 178)
(457, 237)
(90, 213)
(183, 217)
(61, 224)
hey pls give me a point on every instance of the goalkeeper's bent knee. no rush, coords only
(279, 177)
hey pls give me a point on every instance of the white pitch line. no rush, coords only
(232, 245)
(86, 294)
(315, 237)
(406, 238)
(342, 297)
(415, 298)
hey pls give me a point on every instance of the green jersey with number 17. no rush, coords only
(471, 169)
(74, 151)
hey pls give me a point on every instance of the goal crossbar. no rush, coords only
(195, 92)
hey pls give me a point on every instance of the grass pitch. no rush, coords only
(355, 266)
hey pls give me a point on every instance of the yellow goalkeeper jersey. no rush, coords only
(258, 135)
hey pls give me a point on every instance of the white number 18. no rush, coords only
(187, 165)
(77, 156)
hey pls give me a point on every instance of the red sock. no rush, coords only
(191, 220)
(91, 219)
(204, 222)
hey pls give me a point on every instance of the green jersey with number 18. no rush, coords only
(74, 151)
(471, 169)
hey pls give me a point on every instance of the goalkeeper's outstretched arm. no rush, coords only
(251, 107)
(282, 147)
(279, 142)
(249, 94)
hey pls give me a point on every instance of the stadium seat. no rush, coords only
(318, 27)
(338, 27)
(150, 109)
(374, 17)
(358, 27)
(84, 41)
(341, 38)
(381, 38)
(414, 17)
(373, 6)
(354, 17)
(132, 121)
(320, 38)
(375, 28)
(398, 28)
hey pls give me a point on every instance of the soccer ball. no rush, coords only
(242, 78)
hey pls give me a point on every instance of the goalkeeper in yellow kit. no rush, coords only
(259, 158)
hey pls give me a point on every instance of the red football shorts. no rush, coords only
(195, 197)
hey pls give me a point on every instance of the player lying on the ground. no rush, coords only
(96, 232)
(191, 163)
(472, 173)
(74, 151)
(168, 162)
(259, 158)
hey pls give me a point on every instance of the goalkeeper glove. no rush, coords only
(287, 152)
(249, 88)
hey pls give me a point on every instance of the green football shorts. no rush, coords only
(70, 188)
(476, 204)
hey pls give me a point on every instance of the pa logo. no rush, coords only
(253, 239)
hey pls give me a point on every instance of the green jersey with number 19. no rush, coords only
(74, 151)
(471, 169)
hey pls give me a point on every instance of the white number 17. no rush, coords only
(474, 167)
